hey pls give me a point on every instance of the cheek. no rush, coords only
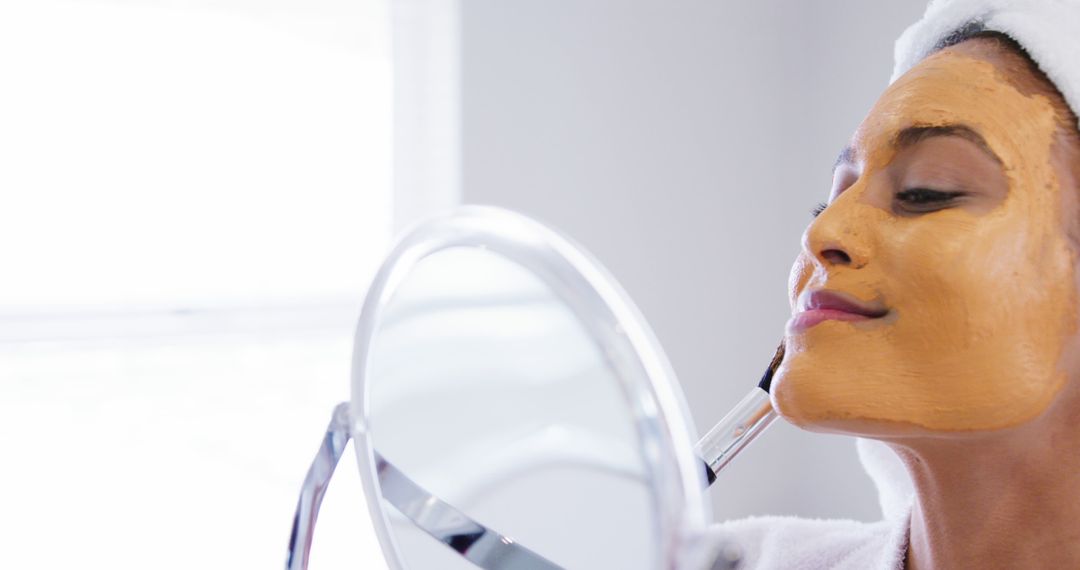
(930, 272)
(1008, 272)
(985, 313)
(957, 279)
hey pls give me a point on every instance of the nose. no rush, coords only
(838, 237)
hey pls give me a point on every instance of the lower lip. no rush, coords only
(807, 319)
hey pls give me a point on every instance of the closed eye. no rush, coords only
(919, 200)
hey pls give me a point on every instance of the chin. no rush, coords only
(893, 404)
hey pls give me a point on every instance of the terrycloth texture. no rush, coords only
(1048, 29)
(789, 543)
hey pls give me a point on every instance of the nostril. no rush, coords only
(836, 257)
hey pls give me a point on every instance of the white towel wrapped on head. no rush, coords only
(1049, 30)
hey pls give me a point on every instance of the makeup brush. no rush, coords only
(747, 420)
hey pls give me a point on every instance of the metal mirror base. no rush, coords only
(475, 542)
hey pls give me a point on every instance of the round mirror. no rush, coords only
(512, 410)
(512, 415)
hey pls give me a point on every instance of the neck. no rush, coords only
(1007, 500)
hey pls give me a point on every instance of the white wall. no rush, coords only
(684, 143)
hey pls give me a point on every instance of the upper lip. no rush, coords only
(838, 301)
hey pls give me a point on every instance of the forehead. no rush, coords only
(960, 86)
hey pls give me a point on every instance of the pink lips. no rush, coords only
(821, 305)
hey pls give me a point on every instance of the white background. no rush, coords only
(165, 153)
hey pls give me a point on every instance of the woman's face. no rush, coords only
(947, 227)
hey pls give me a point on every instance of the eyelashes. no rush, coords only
(912, 200)
(925, 199)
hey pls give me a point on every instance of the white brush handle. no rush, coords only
(739, 427)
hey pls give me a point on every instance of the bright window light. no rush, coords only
(194, 198)
(189, 153)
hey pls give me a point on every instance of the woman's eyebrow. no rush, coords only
(913, 135)
(916, 134)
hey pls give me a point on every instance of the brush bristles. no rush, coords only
(766, 379)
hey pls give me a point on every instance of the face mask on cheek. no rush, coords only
(980, 303)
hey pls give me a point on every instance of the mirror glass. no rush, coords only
(486, 390)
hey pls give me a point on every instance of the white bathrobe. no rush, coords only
(789, 543)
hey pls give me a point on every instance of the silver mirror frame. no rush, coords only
(662, 418)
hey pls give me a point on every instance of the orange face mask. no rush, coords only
(980, 288)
